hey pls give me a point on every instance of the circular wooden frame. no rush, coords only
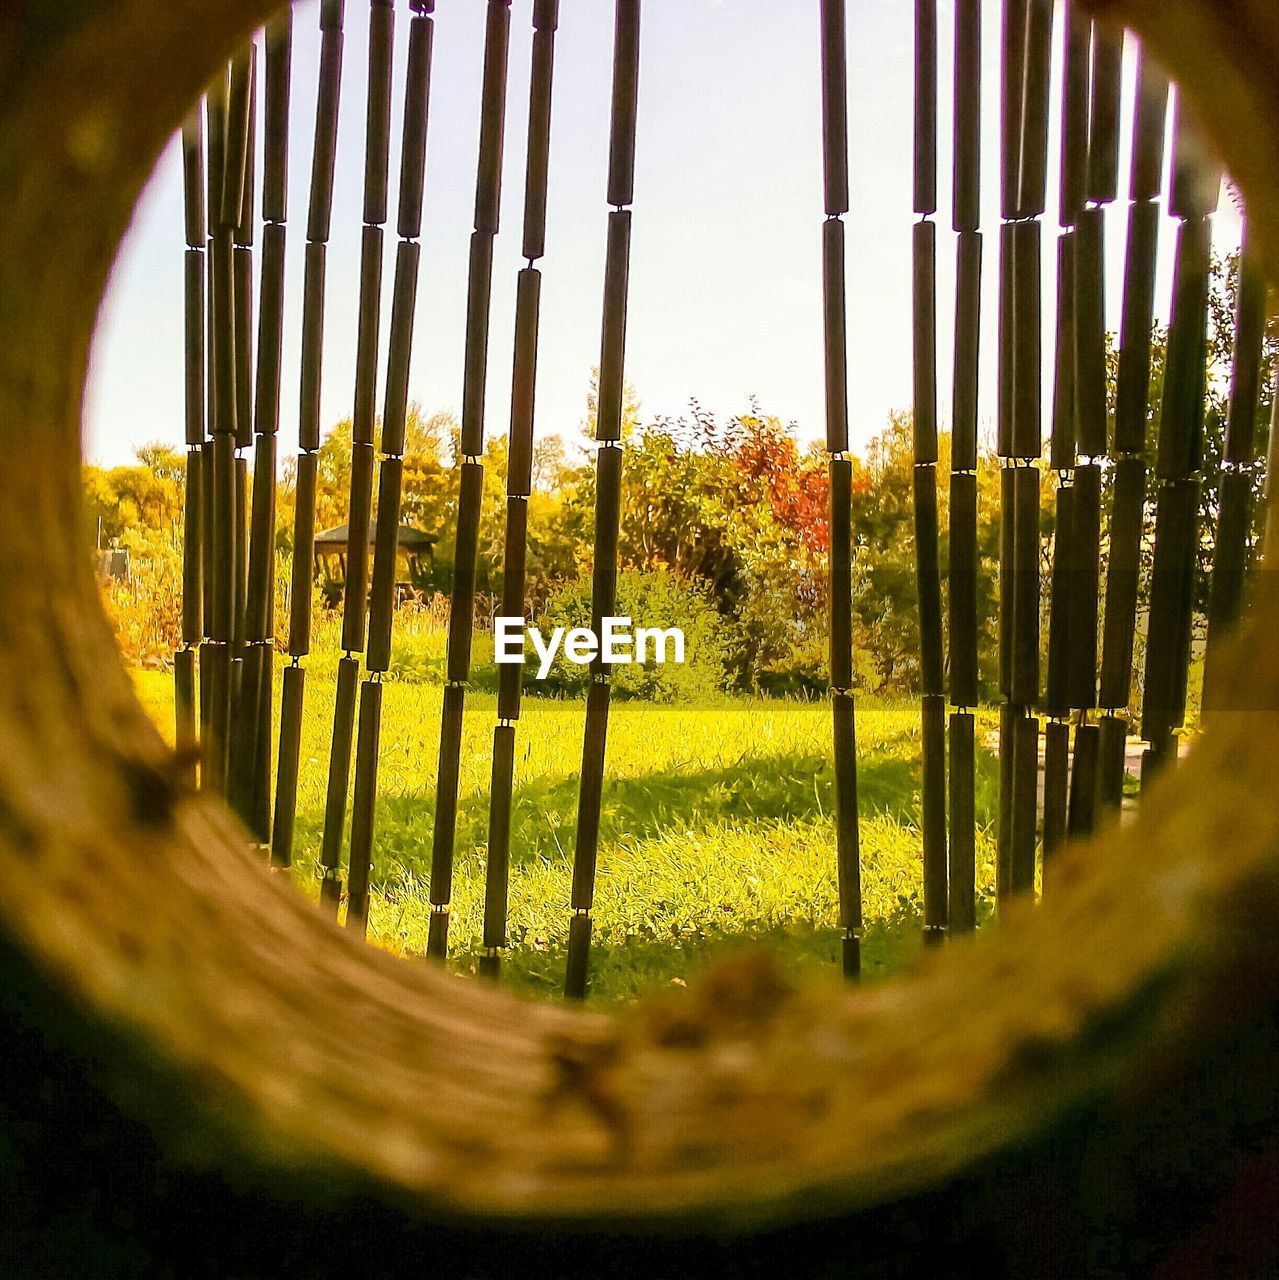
(243, 1026)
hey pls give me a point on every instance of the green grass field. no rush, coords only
(716, 830)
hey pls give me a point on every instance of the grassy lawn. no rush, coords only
(716, 829)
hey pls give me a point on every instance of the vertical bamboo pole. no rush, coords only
(1098, 188)
(966, 221)
(237, 206)
(608, 471)
(1132, 397)
(488, 192)
(1179, 459)
(220, 510)
(355, 593)
(1062, 452)
(391, 468)
(319, 217)
(927, 566)
(251, 773)
(1027, 45)
(834, 55)
(1234, 521)
(194, 275)
(519, 476)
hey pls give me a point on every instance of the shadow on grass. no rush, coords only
(755, 790)
(639, 966)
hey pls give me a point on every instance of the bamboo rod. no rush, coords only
(621, 152)
(1057, 701)
(1082, 817)
(1056, 784)
(963, 443)
(488, 186)
(841, 573)
(1075, 107)
(834, 49)
(1062, 445)
(961, 836)
(497, 870)
(1128, 496)
(836, 337)
(924, 253)
(1012, 98)
(1085, 585)
(475, 374)
(962, 581)
(847, 834)
(324, 154)
(417, 96)
(925, 107)
(1245, 375)
(537, 168)
(933, 786)
(1027, 430)
(1025, 802)
(363, 805)
(339, 779)
(385, 553)
(1133, 386)
(399, 355)
(1032, 169)
(275, 132)
(961, 909)
(1103, 122)
(608, 425)
(377, 130)
(967, 115)
(1024, 690)
(1112, 750)
(292, 701)
(1132, 396)
(1090, 334)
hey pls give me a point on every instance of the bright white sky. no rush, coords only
(725, 277)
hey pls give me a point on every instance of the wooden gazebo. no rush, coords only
(415, 558)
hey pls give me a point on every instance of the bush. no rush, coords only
(650, 598)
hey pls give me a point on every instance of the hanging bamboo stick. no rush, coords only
(608, 485)
(1027, 41)
(519, 476)
(834, 61)
(1234, 521)
(355, 594)
(928, 569)
(963, 563)
(1179, 459)
(194, 273)
(471, 468)
(293, 695)
(1132, 395)
(391, 469)
(251, 790)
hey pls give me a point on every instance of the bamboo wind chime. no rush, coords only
(608, 479)
(223, 668)
(835, 154)
(488, 193)
(519, 476)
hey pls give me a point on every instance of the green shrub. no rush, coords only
(650, 598)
